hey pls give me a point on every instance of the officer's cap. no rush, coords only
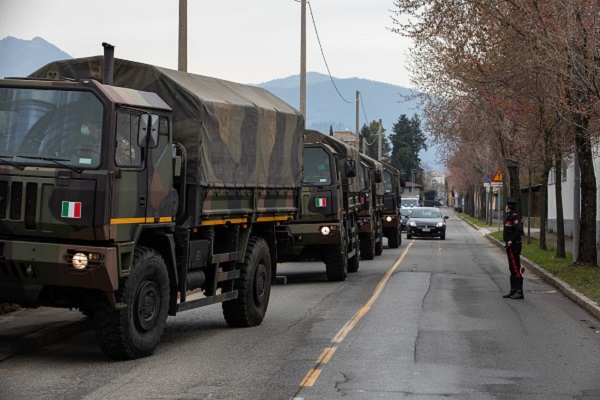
(510, 200)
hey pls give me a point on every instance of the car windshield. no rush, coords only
(42, 126)
(420, 213)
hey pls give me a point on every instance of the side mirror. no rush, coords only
(446, 217)
(378, 176)
(350, 168)
(148, 131)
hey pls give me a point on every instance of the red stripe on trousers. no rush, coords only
(514, 263)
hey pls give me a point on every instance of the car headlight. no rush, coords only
(440, 224)
(80, 260)
(325, 230)
(388, 218)
(412, 223)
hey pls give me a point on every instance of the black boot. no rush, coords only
(518, 295)
(513, 288)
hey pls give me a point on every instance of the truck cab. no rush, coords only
(326, 227)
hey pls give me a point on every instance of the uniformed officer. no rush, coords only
(513, 230)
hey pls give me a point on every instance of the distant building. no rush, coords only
(412, 189)
(346, 137)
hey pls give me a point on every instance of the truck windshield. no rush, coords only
(317, 170)
(387, 182)
(38, 126)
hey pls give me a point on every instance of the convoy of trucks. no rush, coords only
(133, 192)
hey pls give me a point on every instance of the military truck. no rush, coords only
(172, 206)
(371, 212)
(392, 224)
(327, 225)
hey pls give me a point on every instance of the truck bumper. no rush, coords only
(392, 223)
(27, 267)
(298, 239)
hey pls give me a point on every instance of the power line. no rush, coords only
(323, 54)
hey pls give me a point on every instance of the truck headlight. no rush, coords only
(388, 218)
(80, 260)
(325, 230)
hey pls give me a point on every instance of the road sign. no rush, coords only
(487, 179)
(497, 177)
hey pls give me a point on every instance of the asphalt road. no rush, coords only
(423, 321)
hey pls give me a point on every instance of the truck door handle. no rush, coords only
(142, 201)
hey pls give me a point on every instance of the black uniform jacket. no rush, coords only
(513, 227)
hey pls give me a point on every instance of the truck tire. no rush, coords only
(367, 246)
(394, 238)
(354, 262)
(135, 331)
(253, 286)
(336, 261)
(379, 244)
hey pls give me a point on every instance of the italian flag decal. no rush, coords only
(321, 202)
(71, 209)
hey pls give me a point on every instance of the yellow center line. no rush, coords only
(341, 335)
(326, 355)
(310, 378)
(313, 374)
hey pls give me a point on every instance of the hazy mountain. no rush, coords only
(327, 108)
(21, 57)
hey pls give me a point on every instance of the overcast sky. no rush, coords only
(238, 40)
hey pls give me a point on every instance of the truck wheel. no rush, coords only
(353, 263)
(135, 331)
(367, 246)
(253, 286)
(394, 238)
(336, 261)
(379, 244)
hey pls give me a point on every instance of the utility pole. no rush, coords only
(303, 60)
(379, 140)
(364, 144)
(182, 35)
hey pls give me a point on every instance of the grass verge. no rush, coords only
(584, 279)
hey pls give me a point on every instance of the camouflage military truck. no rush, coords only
(392, 225)
(371, 213)
(142, 199)
(327, 225)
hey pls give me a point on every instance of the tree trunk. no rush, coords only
(544, 213)
(587, 236)
(560, 222)
(514, 188)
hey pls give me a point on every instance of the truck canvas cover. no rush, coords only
(235, 135)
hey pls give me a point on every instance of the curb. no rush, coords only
(563, 287)
(43, 337)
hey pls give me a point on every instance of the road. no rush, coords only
(423, 321)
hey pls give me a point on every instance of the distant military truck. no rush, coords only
(149, 197)
(371, 213)
(327, 225)
(392, 224)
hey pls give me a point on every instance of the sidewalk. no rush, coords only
(551, 239)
